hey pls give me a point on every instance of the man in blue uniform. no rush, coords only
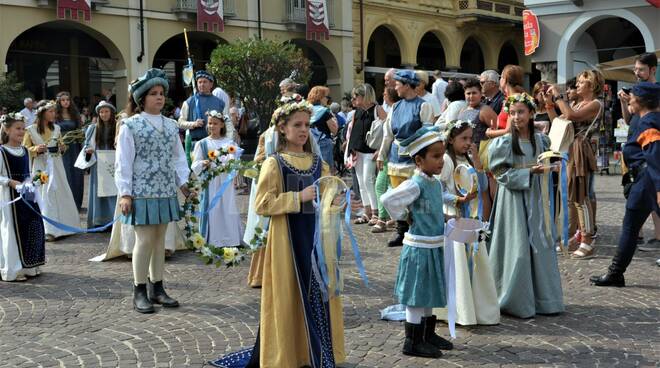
(641, 154)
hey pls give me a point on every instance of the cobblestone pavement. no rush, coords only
(79, 313)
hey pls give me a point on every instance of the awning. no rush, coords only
(621, 69)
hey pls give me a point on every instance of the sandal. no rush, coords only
(374, 220)
(380, 227)
(585, 251)
(391, 224)
(361, 220)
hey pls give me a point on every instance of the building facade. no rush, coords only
(581, 34)
(126, 37)
(464, 36)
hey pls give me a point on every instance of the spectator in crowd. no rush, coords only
(85, 115)
(455, 96)
(323, 123)
(541, 117)
(28, 112)
(288, 86)
(364, 99)
(571, 92)
(581, 159)
(389, 83)
(425, 95)
(493, 97)
(346, 110)
(335, 108)
(438, 88)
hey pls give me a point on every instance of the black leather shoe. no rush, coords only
(609, 279)
(431, 337)
(157, 295)
(415, 345)
(140, 301)
(396, 241)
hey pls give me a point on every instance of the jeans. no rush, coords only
(326, 145)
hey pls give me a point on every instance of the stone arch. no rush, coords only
(399, 36)
(443, 42)
(98, 56)
(508, 54)
(469, 56)
(171, 57)
(581, 23)
(325, 67)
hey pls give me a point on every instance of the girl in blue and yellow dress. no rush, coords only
(297, 327)
(420, 284)
(641, 154)
(100, 136)
(22, 239)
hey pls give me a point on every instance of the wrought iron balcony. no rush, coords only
(296, 13)
(186, 10)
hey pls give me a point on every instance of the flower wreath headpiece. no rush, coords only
(291, 104)
(14, 116)
(49, 105)
(455, 124)
(218, 115)
(523, 97)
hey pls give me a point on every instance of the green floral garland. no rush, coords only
(223, 160)
(522, 97)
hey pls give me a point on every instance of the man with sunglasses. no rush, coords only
(493, 97)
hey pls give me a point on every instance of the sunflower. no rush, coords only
(43, 177)
(231, 149)
(213, 154)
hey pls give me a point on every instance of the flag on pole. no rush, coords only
(74, 6)
(317, 20)
(210, 16)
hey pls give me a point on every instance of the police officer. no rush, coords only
(642, 181)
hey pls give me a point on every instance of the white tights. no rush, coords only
(149, 253)
(414, 315)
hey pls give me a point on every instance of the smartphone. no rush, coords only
(545, 88)
(626, 90)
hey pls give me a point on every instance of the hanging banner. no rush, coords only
(74, 6)
(210, 13)
(531, 31)
(317, 20)
(655, 3)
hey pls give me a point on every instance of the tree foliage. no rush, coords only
(253, 69)
(12, 93)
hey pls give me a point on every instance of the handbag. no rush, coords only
(561, 135)
(82, 163)
(374, 136)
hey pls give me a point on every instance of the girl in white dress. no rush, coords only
(221, 226)
(476, 297)
(44, 142)
(22, 248)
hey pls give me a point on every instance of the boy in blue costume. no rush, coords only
(420, 284)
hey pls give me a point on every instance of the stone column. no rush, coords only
(548, 71)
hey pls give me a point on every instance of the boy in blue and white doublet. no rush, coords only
(420, 284)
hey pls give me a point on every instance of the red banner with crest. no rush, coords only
(210, 16)
(317, 20)
(532, 34)
(75, 6)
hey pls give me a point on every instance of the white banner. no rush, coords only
(105, 173)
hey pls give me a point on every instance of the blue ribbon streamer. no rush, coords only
(564, 198)
(218, 194)
(68, 228)
(320, 268)
(356, 249)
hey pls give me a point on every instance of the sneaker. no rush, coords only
(652, 245)
(657, 261)
(595, 234)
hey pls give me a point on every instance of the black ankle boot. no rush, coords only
(397, 240)
(609, 279)
(140, 301)
(415, 345)
(431, 337)
(157, 295)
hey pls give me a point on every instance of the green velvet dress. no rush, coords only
(522, 253)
